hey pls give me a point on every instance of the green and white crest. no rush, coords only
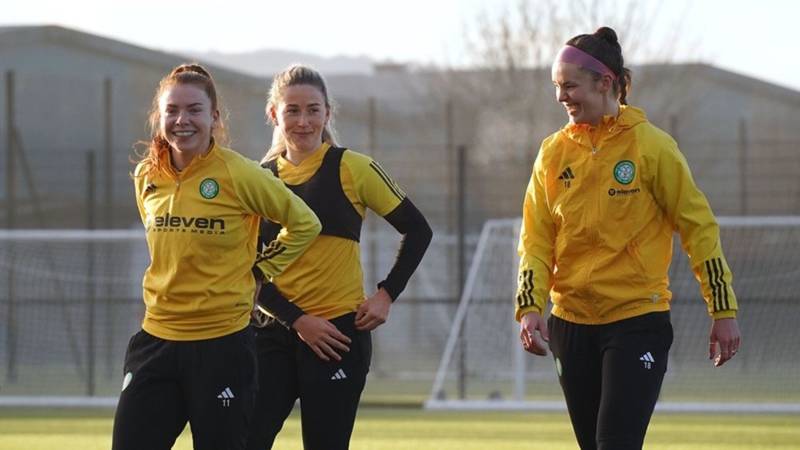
(625, 172)
(209, 188)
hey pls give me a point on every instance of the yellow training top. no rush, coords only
(201, 226)
(327, 279)
(598, 220)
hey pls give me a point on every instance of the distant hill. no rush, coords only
(267, 62)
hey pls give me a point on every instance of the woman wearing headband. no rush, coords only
(606, 193)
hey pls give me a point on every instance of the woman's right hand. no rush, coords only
(533, 333)
(322, 336)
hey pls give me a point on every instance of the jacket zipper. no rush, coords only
(595, 220)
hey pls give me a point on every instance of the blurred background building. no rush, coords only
(66, 93)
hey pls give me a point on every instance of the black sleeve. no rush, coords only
(269, 298)
(417, 234)
(278, 306)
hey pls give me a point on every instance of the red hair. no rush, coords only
(197, 75)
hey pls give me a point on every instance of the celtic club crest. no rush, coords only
(624, 172)
(209, 188)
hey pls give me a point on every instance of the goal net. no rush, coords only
(484, 367)
(69, 301)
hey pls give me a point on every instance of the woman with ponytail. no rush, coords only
(606, 193)
(313, 321)
(201, 205)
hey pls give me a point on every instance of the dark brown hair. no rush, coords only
(604, 46)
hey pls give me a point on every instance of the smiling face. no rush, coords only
(301, 115)
(186, 118)
(583, 96)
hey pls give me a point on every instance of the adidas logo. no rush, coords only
(648, 360)
(567, 176)
(226, 396)
(339, 375)
(149, 189)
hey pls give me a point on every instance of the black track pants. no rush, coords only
(210, 383)
(611, 376)
(329, 392)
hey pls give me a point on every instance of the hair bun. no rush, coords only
(607, 34)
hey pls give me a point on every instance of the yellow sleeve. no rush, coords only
(689, 212)
(263, 194)
(139, 185)
(536, 242)
(372, 187)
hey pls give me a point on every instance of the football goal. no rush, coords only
(483, 366)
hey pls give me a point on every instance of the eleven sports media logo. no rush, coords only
(624, 173)
(209, 189)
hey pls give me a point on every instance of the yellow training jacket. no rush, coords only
(202, 225)
(598, 219)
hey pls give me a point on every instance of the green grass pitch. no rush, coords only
(408, 428)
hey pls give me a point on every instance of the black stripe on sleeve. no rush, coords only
(389, 183)
(712, 282)
(272, 250)
(724, 301)
(711, 270)
(529, 284)
(525, 295)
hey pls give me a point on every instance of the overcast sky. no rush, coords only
(749, 37)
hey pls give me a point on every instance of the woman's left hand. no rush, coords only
(374, 311)
(724, 332)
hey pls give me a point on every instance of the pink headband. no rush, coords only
(574, 55)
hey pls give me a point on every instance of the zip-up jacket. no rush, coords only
(598, 220)
(201, 225)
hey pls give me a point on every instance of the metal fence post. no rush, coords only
(90, 274)
(11, 328)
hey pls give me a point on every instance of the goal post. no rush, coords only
(483, 366)
(491, 236)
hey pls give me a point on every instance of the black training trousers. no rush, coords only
(210, 383)
(328, 391)
(611, 376)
